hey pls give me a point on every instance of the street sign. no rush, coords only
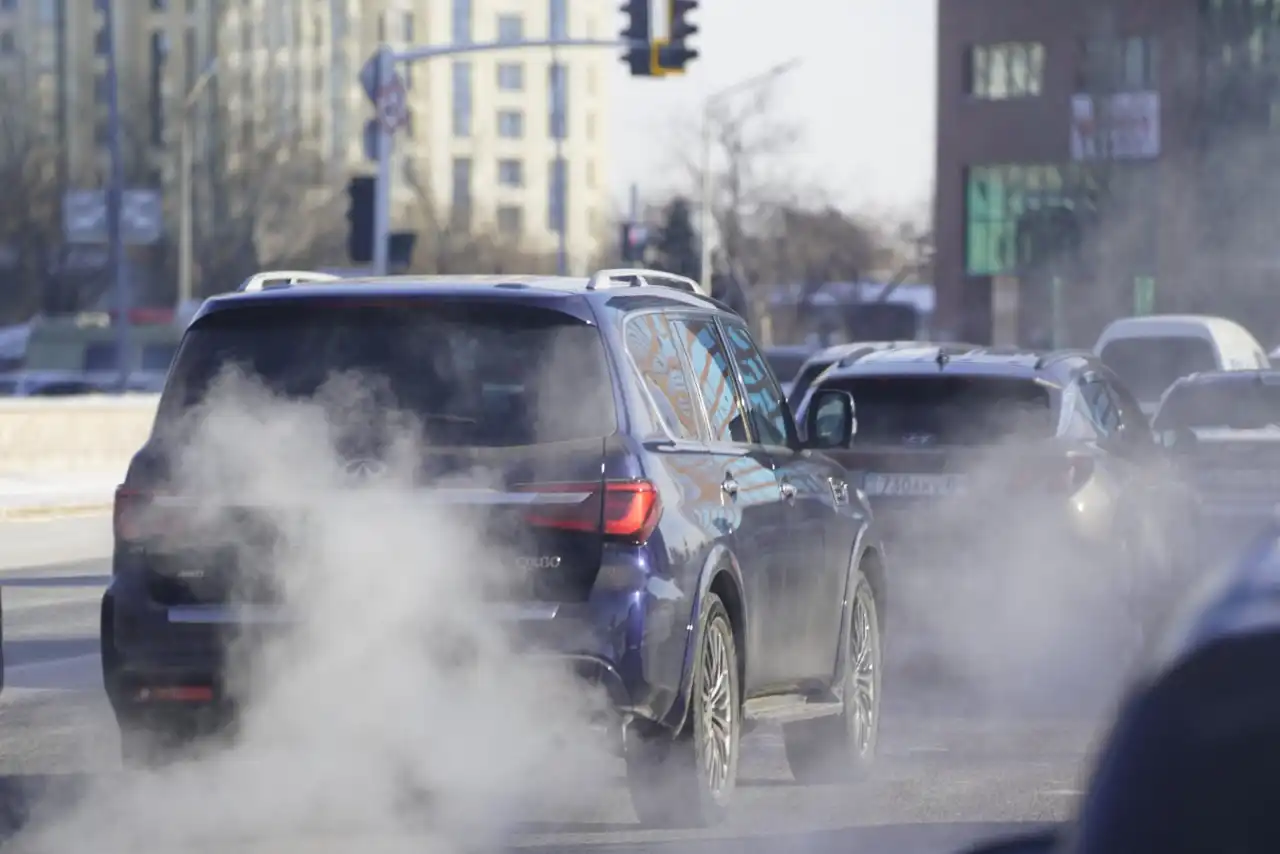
(393, 111)
(84, 216)
(369, 76)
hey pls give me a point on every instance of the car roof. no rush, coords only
(1266, 377)
(962, 360)
(490, 287)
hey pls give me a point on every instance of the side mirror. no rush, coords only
(1043, 841)
(831, 420)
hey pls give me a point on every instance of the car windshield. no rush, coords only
(950, 410)
(804, 380)
(1148, 366)
(1237, 405)
(497, 376)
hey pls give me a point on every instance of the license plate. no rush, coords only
(914, 484)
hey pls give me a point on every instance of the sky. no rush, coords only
(862, 96)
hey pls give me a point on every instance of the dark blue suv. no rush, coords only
(683, 550)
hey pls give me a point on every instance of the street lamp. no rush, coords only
(704, 203)
(184, 182)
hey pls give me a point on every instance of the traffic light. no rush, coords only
(361, 189)
(639, 33)
(674, 54)
(633, 240)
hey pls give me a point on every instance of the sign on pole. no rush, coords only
(393, 111)
(84, 216)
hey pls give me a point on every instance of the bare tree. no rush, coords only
(272, 204)
(752, 166)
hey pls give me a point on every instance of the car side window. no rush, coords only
(1079, 421)
(766, 404)
(1101, 406)
(1137, 425)
(714, 376)
(655, 353)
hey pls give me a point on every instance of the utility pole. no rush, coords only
(115, 200)
(185, 284)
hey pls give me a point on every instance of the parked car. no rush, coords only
(680, 472)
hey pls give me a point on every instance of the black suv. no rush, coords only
(687, 553)
(978, 443)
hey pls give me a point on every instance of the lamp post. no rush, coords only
(704, 203)
(184, 183)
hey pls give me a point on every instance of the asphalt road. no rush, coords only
(945, 778)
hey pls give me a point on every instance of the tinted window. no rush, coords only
(474, 375)
(1238, 405)
(655, 352)
(1101, 405)
(766, 404)
(1148, 366)
(100, 356)
(948, 410)
(714, 376)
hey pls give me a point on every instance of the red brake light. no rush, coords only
(627, 510)
(127, 512)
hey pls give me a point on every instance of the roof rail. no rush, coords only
(1058, 355)
(637, 277)
(271, 279)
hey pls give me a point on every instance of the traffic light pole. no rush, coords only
(382, 187)
(387, 63)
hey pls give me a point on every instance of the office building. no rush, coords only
(1091, 161)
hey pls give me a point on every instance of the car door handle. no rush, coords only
(729, 487)
(788, 490)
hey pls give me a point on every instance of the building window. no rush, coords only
(8, 5)
(1119, 65)
(510, 221)
(557, 194)
(1009, 70)
(558, 99)
(7, 44)
(462, 99)
(407, 28)
(511, 173)
(462, 21)
(159, 5)
(101, 42)
(510, 124)
(191, 58)
(999, 201)
(510, 28)
(510, 77)
(558, 20)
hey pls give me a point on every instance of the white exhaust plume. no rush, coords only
(394, 708)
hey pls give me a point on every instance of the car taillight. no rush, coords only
(628, 510)
(1062, 476)
(139, 517)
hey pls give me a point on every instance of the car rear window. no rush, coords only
(947, 410)
(1237, 405)
(1148, 366)
(804, 380)
(474, 375)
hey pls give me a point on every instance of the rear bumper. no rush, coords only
(627, 648)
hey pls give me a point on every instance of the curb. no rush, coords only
(48, 512)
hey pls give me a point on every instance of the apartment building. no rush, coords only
(513, 141)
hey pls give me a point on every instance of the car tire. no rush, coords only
(673, 782)
(840, 748)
